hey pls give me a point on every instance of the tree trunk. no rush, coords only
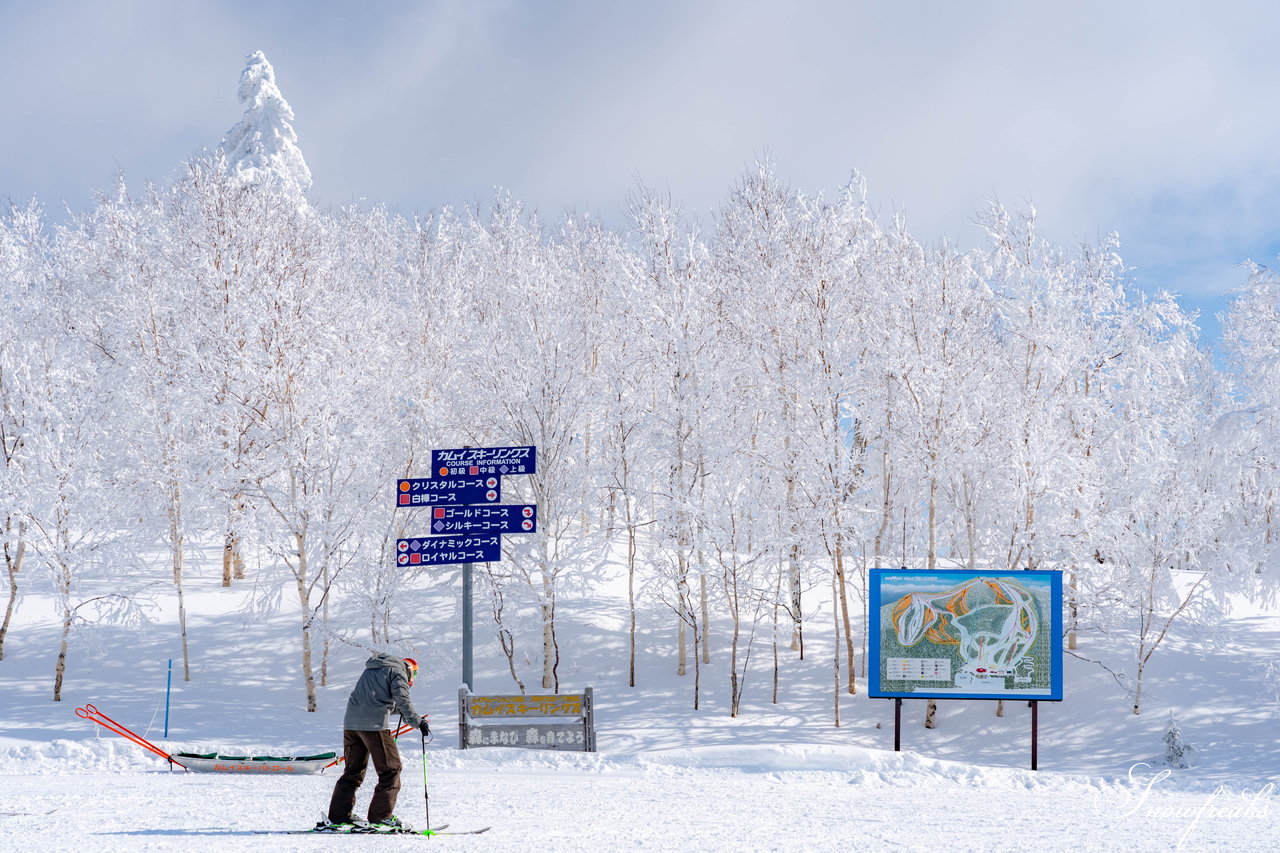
(797, 584)
(735, 613)
(835, 650)
(1137, 690)
(866, 616)
(304, 600)
(550, 649)
(1074, 604)
(631, 591)
(797, 624)
(177, 544)
(775, 641)
(324, 621)
(60, 668)
(931, 715)
(970, 522)
(182, 614)
(932, 557)
(886, 477)
(682, 652)
(14, 566)
(232, 560)
(842, 592)
(697, 670)
(706, 619)
(232, 556)
(505, 638)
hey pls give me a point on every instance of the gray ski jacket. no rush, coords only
(383, 687)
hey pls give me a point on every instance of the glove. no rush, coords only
(425, 728)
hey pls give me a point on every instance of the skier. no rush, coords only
(382, 688)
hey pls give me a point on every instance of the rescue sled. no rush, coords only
(215, 762)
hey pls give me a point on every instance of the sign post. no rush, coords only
(467, 571)
(958, 634)
(530, 722)
(467, 518)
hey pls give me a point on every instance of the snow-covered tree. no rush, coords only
(1250, 430)
(80, 520)
(23, 275)
(140, 306)
(1177, 752)
(262, 148)
(681, 345)
(1157, 547)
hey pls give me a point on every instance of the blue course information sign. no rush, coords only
(448, 491)
(442, 550)
(477, 461)
(500, 518)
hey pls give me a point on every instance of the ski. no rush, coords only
(360, 830)
(364, 832)
(27, 814)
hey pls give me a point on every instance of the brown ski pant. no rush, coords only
(357, 749)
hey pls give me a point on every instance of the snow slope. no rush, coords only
(665, 778)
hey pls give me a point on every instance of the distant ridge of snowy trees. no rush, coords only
(749, 416)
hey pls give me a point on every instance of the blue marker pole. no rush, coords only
(168, 689)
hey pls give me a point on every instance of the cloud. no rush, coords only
(1151, 119)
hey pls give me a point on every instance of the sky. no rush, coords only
(1154, 120)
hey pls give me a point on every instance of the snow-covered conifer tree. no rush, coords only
(263, 147)
(1177, 752)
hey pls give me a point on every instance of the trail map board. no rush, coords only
(966, 635)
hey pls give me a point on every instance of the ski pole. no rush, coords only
(426, 797)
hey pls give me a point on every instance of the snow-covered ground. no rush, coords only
(665, 777)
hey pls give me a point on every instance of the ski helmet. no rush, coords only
(413, 668)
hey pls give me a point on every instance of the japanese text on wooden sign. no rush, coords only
(530, 722)
(563, 704)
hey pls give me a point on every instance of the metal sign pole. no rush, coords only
(897, 725)
(466, 612)
(464, 494)
(466, 625)
(1035, 731)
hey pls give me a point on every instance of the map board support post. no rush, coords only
(1035, 731)
(466, 625)
(965, 634)
(897, 725)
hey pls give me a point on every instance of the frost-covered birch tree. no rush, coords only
(23, 277)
